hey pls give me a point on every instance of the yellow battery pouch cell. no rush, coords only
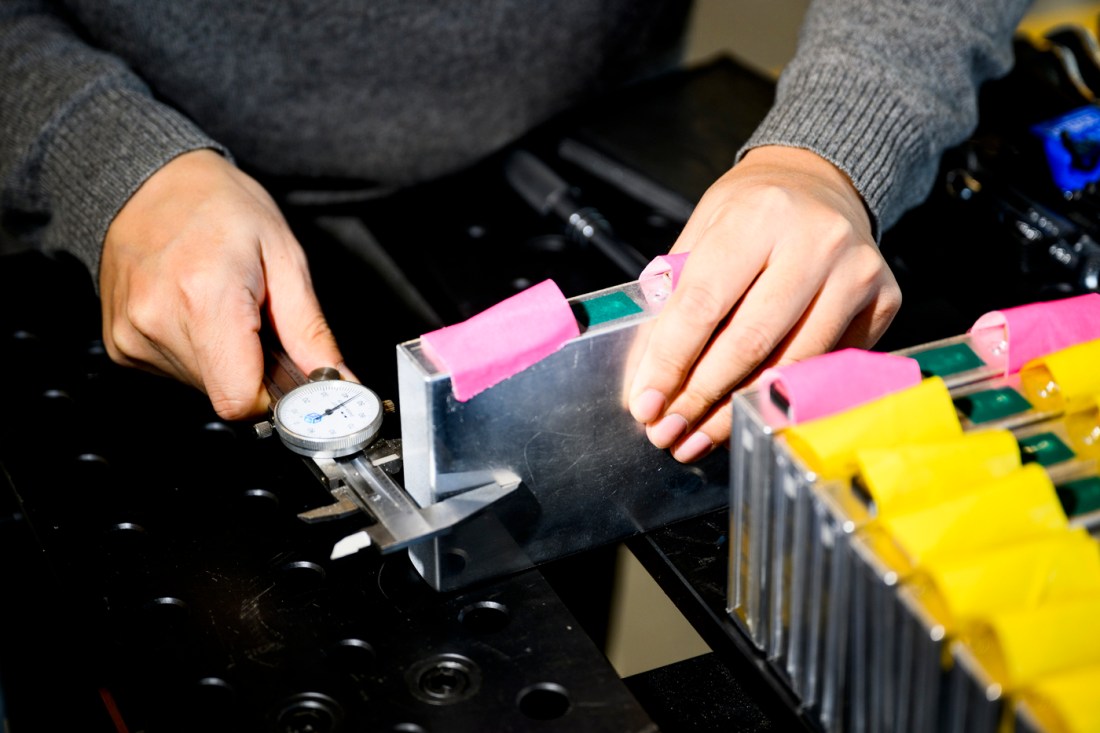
(920, 414)
(1059, 380)
(1067, 702)
(1052, 568)
(1020, 648)
(1018, 506)
(1082, 424)
(915, 476)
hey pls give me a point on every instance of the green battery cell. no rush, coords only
(947, 360)
(605, 308)
(1081, 496)
(992, 404)
(1046, 449)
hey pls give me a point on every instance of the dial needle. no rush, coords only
(336, 407)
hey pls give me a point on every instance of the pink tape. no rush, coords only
(1015, 336)
(833, 382)
(502, 340)
(660, 276)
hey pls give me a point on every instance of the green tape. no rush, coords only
(605, 308)
(1081, 496)
(992, 404)
(945, 360)
(1045, 448)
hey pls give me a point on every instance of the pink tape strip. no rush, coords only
(502, 340)
(830, 383)
(660, 276)
(1015, 336)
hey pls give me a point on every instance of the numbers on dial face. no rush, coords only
(330, 409)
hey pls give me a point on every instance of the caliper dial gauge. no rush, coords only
(328, 419)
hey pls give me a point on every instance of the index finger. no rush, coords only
(707, 291)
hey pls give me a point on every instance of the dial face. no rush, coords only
(328, 418)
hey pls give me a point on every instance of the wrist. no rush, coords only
(815, 170)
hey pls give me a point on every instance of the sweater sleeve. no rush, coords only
(79, 133)
(881, 88)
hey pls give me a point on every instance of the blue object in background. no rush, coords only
(1072, 146)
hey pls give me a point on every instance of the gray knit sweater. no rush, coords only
(96, 95)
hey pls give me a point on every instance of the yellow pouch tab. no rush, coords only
(1052, 568)
(915, 476)
(1068, 702)
(1020, 505)
(919, 414)
(1020, 648)
(1058, 380)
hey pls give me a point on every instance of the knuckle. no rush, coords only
(867, 273)
(772, 198)
(891, 297)
(143, 316)
(117, 342)
(230, 407)
(753, 344)
(196, 291)
(837, 234)
(701, 308)
(127, 338)
(664, 361)
(888, 305)
(777, 197)
(703, 396)
(877, 279)
(816, 342)
(316, 329)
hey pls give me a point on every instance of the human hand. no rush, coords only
(783, 266)
(187, 266)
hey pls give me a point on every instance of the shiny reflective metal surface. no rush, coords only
(364, 481)
(588, 474)
(360, 483)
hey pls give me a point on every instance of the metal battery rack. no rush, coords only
(833, 618)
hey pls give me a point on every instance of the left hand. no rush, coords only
(191, 264)
(783, 266)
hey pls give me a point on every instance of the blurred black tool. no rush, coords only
(550, 195)
(1080, 45)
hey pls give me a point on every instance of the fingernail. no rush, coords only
(346, 373)
(647, 406)
(695, 447)
(668, 431)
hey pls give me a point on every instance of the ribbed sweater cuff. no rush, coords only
(106, 147)
(858, 123)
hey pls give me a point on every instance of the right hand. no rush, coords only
(783, 267)
(187, 266)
